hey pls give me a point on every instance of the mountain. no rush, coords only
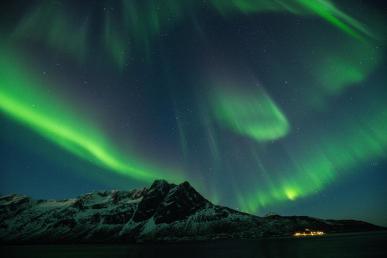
(162, 212)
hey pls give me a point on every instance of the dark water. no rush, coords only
(345, 245)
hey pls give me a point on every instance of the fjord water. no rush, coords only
(362, 245)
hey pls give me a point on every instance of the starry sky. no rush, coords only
(263, 106)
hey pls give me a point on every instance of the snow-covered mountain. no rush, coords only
(161, 212)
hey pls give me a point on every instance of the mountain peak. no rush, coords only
(152, 199)
(161, 184)
(180, 202)
(163, 211)
(185, 184)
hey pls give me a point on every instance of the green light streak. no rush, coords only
(339, 68)
(253, 114)
(135, 25)
(322, 8)
(115, 43)
(140, 22)
(50, 24)
(131, 26)
(328, 11)
(182, 139)
(23, 100)
(321, 162)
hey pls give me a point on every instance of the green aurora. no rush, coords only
(318, 164)
(131, 26)
(22, 98)
(251, 114)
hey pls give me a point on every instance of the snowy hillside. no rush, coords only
(161, 212)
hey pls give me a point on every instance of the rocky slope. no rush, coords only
(161, 212)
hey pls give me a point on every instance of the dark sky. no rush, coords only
(263, 106)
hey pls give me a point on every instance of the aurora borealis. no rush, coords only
(264, 106)
(32, 108)
(252, 114)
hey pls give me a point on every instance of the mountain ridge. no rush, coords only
(162, 212)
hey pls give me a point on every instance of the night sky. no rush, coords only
(263, 106)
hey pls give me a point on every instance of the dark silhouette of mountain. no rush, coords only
(162, 212)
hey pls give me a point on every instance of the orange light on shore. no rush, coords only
(308, 233)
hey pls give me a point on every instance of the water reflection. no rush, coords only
(370, 245)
